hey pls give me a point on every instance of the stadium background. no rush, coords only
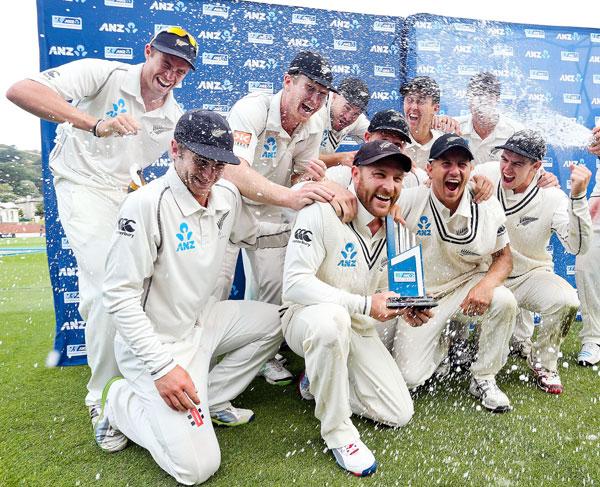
(548, 74)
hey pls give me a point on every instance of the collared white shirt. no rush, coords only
(261, 140)
(332, 139)
(483, 150)
(164, 260)
(533, 215)
(105, 89)
(419, 153)
(457, 246)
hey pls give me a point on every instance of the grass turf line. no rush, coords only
(46, 438)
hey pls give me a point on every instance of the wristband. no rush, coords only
(95, 129)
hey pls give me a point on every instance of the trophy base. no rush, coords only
(421, 302)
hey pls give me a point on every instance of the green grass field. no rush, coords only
(46, 438)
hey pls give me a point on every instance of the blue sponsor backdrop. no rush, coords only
(550, 80)
(243, 47)
(550, 74)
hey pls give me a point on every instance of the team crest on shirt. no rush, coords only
(424, 225)
(117, 108)
(526, 220)
(269, 148)
(186, 242)
(348, 256)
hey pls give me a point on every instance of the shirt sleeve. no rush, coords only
(130, 261)
(247, 119)
(572, 222)
(305, 254)
(502, 239)
(77, 79)
(360, 127)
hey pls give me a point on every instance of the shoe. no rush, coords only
(356, 458)
(275, 373)
(94, 410)
(490, 395)
(520, 348)
(589, 354)
(232, 416)
(547, 380)
(109, 438)
(304, 387)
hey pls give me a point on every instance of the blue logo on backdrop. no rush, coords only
(348, 256)
(117, 108)
(185, 238)
(78, 51)
(65, 22)
(269, 148)
(423, 225)
(168, 6)
(118, 3)
(130, 28)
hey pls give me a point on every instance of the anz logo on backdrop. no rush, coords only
(344, 45)
(260, 16)
(77, 51)
(114, 52)
(168, 6)
(216, 59)
(210, 85)
(346, 69)
(119, 3)
(260, 38)
(568, 36)
(385, 95)
(260, 63)
(65, 22)
(304, 19)
(130, 28)
(216, 35)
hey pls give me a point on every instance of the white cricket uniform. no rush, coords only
(91, 176)
(587, 270)
(331, 270)
(419, 153)
(259, 139)
(483, 150)
(160, 272)
(331, 139)
(531, 218)
(456, 253)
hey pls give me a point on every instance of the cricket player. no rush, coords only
(532, 215)
(466, 260)
(335, 291)
(161, 268)
(111, 115)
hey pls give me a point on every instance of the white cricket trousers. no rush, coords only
(348, 373)
(420, 350)
(555, 299)
(184, 444)
(89, 218)
(587, 277)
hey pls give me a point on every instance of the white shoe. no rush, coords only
(304, 387)
(356, 458)
(490, 395)
(275, 373)
(232, 416)
(589, 354)
(109, 438)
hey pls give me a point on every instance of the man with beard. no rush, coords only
(333, 301)
(459, 238)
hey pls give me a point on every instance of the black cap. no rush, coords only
(423, 85)
(381, 149)
(527, 143)
(391, 120)
(315, 67)
(484, 84)
(177, 42)
(446, 142)
(355, 91)
(207, 134)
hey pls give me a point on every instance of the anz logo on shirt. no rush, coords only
(423, 225)
(185, 238)
(348, 256)
(117, 108)
(269, 148)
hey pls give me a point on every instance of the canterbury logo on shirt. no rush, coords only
(303, 236)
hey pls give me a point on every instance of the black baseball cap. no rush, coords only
(207, 134)
(313, 66)
(377, 150)
(391, 120)
(423, 85)
(446, 142)
(178, 42)
(355, 91)
(527, 143)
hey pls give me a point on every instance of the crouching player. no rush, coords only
(161, 269)
(458, 237)
(532, 215)
(333, 275)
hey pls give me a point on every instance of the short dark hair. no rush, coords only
(423, 85)
(484, 83)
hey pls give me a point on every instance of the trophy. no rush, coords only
(405, 269)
